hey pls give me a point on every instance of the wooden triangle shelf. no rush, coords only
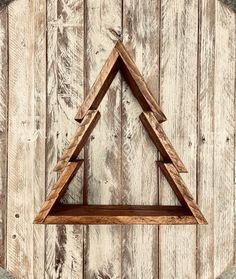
(54, 212)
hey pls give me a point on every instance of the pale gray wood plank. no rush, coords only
(103, 166)
(179, 45)
(38, 184)
(64, 247)
(224, 122)
(26, 141)
(205, 187)
(3, 131)
(139, 171)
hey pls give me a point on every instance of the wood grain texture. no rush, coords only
(58, 190)
(178, 89)
(3, 131)
(79, 140)
(224, 118)
(38, 160)
(137, 84)
(142, 43)
(65, 19)
(100, 86)
(205, 188)
(97, 214)
(26, 155)
(138, 253)
(102, 163)
(181, 191)
(161, 140)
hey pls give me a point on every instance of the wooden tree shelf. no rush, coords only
(54, 212)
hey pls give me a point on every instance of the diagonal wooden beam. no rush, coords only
(161, 140)
(177, 184)
(78, 141)
(100, 86)
(137, 84)
(58, 190)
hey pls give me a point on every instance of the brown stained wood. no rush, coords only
(181, 191)
(120, 214)
(58, 190)
(121, 220)
(120, 59)
(161, 141)
(137, 84)
(100, 86)
(169, 170)
(79, 140)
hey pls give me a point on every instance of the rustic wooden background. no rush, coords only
(51, 52)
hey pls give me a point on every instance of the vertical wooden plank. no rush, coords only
(205, 188)
(139, 171)
(224, 138)
(3, 130)
(179, 46)
(103, 167)
(26, 157)
(38, 183)
(64, 247)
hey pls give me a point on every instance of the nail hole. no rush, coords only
(14, 236)
(17, 215)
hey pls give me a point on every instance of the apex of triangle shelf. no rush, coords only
(54, 212)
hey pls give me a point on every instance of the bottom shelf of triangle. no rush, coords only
(119, 214)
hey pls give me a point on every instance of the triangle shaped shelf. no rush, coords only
(54, 212)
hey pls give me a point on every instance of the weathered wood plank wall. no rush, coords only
(51, 52)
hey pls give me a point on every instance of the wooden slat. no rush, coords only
(181, 191)
(79, 140)
(137, 84)
(3, 129)
(140, 181)
(100, 86)
(178, 99)
(58, 190)
(224, 138)
(102, 159)
(118, 220)
(205, 189)
(65, 80)
(26, 137)
(161, 141)
(38, 181)
(96, 214)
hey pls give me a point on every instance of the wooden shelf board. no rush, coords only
(116, 214)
